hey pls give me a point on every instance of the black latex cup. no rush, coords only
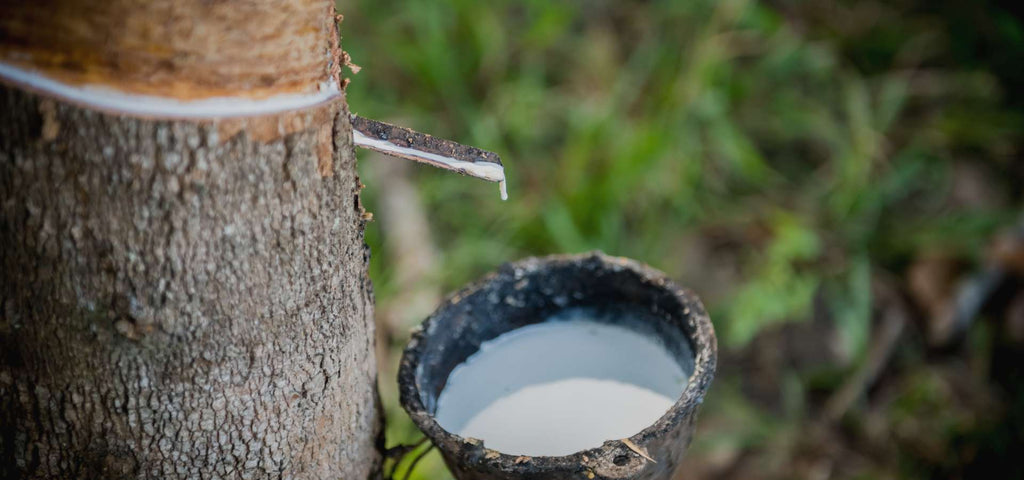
(531, 291)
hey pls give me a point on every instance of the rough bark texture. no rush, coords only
(173, 48)
(182, 299)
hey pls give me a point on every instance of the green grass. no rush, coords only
(809, 148)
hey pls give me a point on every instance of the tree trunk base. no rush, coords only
(183, 298)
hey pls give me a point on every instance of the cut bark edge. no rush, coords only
(109, 100)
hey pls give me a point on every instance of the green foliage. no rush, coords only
(779, 289)
(820, 151)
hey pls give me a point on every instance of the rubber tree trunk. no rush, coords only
(182, 298)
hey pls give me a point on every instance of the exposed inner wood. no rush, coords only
(185, 49)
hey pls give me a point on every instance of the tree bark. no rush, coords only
(182, 298)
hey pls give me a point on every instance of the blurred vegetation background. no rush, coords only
(841, 182)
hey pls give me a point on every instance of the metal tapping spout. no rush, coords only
(404, 143)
